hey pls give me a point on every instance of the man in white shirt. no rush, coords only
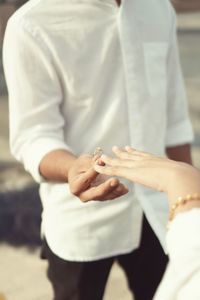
(83, 74)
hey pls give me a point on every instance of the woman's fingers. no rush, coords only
(129, 153)
(141, 175)
(122, 153)
(120, 171)
(116, 161)
(140, 167)
(137, 152)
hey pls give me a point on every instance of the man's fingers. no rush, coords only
(118, 192)
(97, 192)
(101, 191)
(83, 181)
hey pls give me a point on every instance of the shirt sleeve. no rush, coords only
(182, 277)
(35, 96)
(183, 238)
(183, 242)
(179, 128)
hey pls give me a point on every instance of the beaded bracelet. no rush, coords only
(182, 201)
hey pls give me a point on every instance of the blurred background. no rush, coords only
(22, 273)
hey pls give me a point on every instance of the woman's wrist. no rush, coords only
(185, 181)
(188, 206)
(182, 204)
(184, 189)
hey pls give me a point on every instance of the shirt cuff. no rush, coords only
(179, 134)
(33, 156)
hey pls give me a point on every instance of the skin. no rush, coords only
(84, 181)
(163, 174)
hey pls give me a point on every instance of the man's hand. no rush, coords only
(88, 185)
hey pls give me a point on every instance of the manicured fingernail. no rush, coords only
(100, 162)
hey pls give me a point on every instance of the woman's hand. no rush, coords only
(162, 174)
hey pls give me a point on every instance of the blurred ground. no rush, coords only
(22, 273)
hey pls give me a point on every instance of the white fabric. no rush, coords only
(182, 278)
(86, 73)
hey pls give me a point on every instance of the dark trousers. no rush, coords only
(143, 267)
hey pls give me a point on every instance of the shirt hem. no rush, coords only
(97, 257)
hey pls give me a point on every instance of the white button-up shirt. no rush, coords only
(88, 73)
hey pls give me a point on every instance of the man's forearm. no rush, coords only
(56, 164)
(180, 153)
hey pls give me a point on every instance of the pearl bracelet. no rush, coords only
(182, 201)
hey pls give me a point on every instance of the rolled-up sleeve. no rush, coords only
(35, 96)
(179, 128)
